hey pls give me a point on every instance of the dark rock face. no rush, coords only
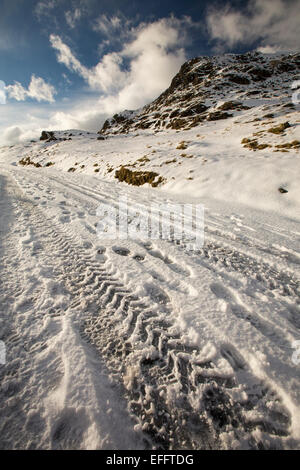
(193, 110)
(259, 74)
(44, 135)
(218, 115)
(240, 80)
(230, 105)
(48, 136)
(200, 83)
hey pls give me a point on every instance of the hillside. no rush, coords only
(197, 93)
(225, 127)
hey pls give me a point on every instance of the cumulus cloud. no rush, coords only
(16, 91)
(22, 121)
(81, 116)
(38, 90)
(143, 67)
(106, 75)
(274, 23)
(12, 135)
(152, 58)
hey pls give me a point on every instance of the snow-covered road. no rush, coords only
(143, 344)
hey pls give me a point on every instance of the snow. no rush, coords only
(214, 162)
(143, 343)
(228, 313)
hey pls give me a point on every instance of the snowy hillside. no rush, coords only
(226, 127)
(196, 92)
(135, 343)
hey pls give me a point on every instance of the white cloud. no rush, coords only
(66, 78)
(274, 23)
(2, 92)
(152, 54)
(269, 49)
(108, 25)
(106, 75)
(147, 61)
(72, 17)
(81, 116)
(116, 29)
(12, 134)
(44, 7)
(38, 90)
(66, 57)
(16, 91)
(24, 121)
(74, 10)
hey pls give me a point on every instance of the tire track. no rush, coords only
(175, 400)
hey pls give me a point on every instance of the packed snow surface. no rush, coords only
(141, 343)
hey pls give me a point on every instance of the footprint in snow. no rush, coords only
(139, 257)
(121, 251)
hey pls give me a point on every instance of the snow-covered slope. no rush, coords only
(197, 92)
(134, 343)
(212, 135)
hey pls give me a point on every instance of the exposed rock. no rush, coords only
(203, 81)
(193, 110)
(259, 74)
(48, 136)
(27, 161)
(280, 128)
(215, 116)
(229, 105)
(239, 79)
(138, 178)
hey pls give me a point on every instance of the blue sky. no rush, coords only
(72, 63)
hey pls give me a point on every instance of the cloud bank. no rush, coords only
(25, 121)
(273, 23)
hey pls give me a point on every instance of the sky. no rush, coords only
(67, 64)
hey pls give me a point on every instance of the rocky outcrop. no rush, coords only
(201, 83)
(48, 136)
